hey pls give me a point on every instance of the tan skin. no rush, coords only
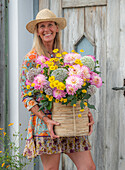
(83, 160)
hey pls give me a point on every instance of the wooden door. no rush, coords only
(94, 25)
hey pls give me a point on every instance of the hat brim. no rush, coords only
(60, 21)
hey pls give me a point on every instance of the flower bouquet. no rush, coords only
(66, 82)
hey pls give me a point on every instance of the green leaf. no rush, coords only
(87, 96)
(49, 106)
(91, 106)
(82, 105)
(70, 98)
(73, 102)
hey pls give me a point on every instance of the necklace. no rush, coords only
(52, 55)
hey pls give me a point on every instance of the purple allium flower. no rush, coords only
(32, 73)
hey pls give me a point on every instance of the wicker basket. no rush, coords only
(71, 124)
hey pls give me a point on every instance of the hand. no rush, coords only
(91, 122)
(50, 123)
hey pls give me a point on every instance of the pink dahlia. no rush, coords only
(28, 82)
(85, 72)
(41, 60)
(40, 81)
(58, 94)
(75, 71)
(70, 58)
(96, 80)
(74, 80)
(71, 90)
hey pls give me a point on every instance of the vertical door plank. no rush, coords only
(100, 41)
(95, 28)
(43, 4)
(75, 27)
(90, 22)
(55, 6)
(112, 80)
(120, 83)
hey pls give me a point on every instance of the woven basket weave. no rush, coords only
(71, 124)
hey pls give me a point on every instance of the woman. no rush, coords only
(41, 139)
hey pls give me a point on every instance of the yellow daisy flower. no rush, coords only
(38, 65)
(74, 105)
(30, 94)
(52, 59)
(28, 86)
(33, 84)
(55, 50)
(79, 115)
(85, 103)
(81, 50)
(51, 79)
(73, 51)
(1, 128)
(81, 110)
(56, 83)
(84, 91)
(52, 68)
(61, 100)
(56, 59)
(78, 61)
(57, 100)
(58, 55)
(52, 85)
(65, 100)
(64, 53)
(56, 67)
(50, 98)
(47, 96)
(0, 151)
(84, 84)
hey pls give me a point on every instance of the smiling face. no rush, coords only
(47, 31)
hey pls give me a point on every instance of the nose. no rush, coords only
(46, 28)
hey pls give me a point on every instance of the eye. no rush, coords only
(50, 25)
(42, 26)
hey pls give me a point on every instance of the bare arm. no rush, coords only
(50, 123)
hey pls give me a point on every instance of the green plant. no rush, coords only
(10, 156)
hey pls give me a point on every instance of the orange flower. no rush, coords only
(4, 133)
(31, 102)
(34, 120)
(29, 130)
(31, 57)
(7, 166)
(10, 124)
(2, 164)
(24, 100)
(44, 134)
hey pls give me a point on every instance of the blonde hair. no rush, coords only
(39, 47)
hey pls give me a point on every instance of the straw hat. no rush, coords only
(45, 15)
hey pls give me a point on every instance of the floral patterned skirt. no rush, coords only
(46, 145)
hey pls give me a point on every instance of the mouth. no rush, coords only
(46, 35)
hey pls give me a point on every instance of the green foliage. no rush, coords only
(10, 156)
